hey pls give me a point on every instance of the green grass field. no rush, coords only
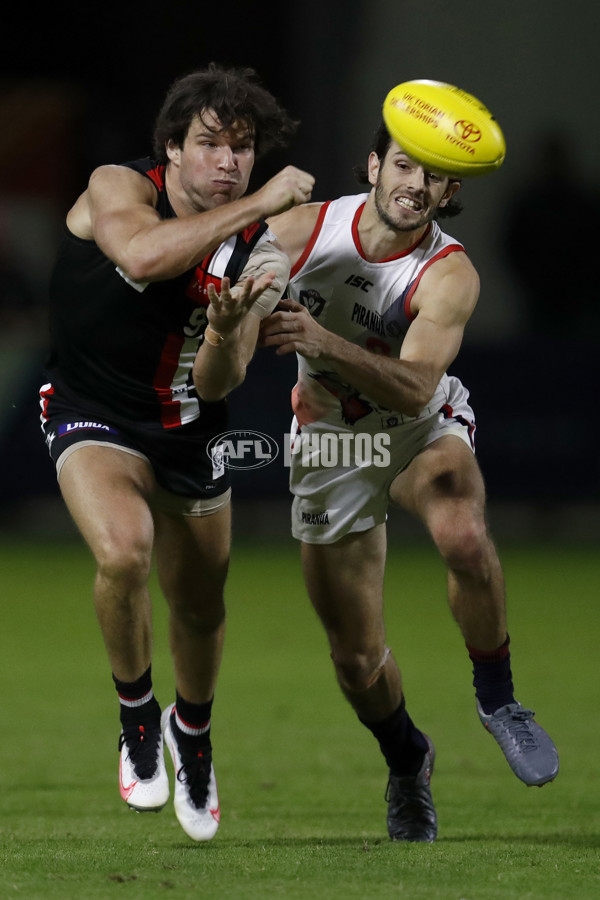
(301, 783)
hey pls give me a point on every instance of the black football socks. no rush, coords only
(492, 677)
(138, 703)
(191, 721)
(401, 742)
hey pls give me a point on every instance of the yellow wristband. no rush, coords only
(213, 337)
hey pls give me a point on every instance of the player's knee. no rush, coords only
(199, 618)
(358, 671)
(124, 562)
(463, 543)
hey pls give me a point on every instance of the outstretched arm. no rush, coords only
(234, 317)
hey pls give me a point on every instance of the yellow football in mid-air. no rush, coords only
(444, 128)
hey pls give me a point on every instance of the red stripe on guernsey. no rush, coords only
(170, 409)
(196, 289)
(46, 392)
(311, 241)
(358, 245)
(451, 248)
(249, 232)
(157, 176)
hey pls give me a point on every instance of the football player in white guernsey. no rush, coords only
(137, 280)
(380, 297)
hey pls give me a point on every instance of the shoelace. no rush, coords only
(519, 730)
(142, 743)
(195, 773)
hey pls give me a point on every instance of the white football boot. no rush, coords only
(143, 780)
(196, 799)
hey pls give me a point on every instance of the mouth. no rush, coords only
(225, 185)
(409, 204)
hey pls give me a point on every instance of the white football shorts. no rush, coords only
(340, 477)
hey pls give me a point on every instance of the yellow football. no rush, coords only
(444, 128)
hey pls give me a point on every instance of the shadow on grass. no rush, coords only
(220, 852)
(563, 838)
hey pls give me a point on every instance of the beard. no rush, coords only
(398, 222)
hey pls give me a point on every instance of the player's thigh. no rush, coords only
(345, 584)
(192, 554)
(107, 492)
(444, 474)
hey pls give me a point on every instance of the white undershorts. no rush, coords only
(341, 477)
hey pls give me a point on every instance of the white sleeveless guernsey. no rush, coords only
(367, 303)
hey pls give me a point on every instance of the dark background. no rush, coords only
(80, 86)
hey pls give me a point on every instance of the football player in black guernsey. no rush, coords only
(165, 269)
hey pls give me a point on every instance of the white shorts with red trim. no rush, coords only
(341, 477)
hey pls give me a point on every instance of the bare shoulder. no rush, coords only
(294, 227)
(451, 281)
(120, 185)
(109, 187)
(455, 264)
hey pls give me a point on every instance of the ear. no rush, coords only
(451, 190)
(173, 152)
(373, 166)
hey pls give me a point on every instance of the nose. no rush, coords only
(227, 160)
(417, 179)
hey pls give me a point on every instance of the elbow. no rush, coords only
(416, 392)
(143, 261)
(414, 403)
(209, 396)
(136, 273)
(211, 390)
(411, 409)
(210, 393)
(142, 268)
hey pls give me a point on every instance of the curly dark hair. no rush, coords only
(380, 145)
(233, 94)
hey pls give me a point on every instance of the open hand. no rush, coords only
(230, 306)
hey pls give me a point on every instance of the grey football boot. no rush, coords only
(529, 751)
